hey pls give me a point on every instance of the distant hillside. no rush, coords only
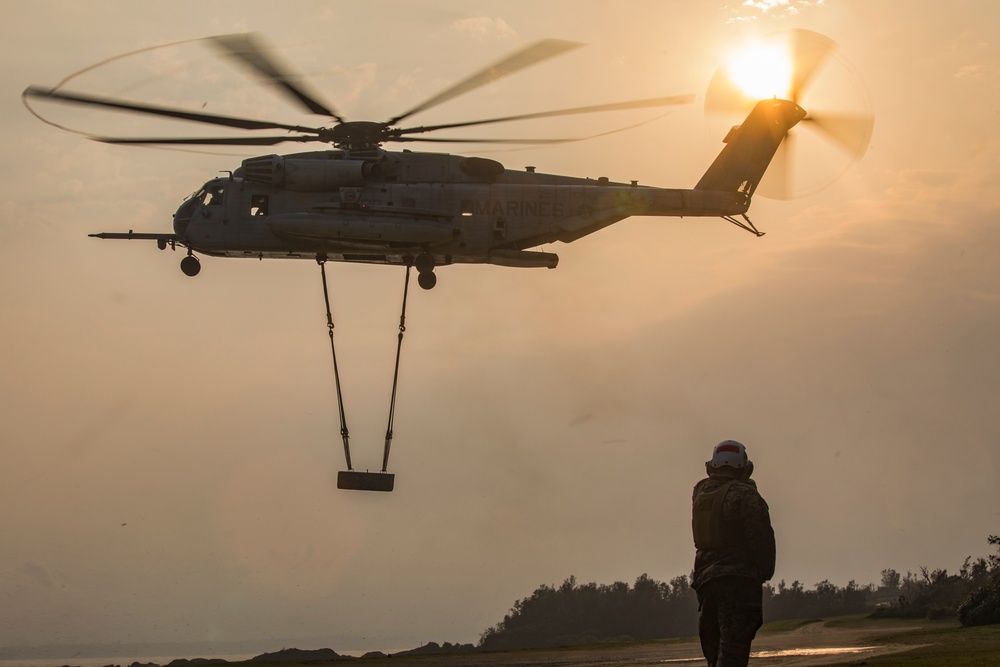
(300, 655)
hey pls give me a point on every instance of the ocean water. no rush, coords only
(122, 659)
(126, 657)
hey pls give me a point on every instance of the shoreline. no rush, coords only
(813, 643)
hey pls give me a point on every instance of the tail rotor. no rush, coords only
(813, 84)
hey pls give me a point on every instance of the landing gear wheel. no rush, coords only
(427, 280)
(424, 262)
(190, 266)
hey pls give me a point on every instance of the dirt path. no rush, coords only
(818, 644)
(811, 645)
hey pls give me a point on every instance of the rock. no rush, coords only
(433, 647)
(299, 655)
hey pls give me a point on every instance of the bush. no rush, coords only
(983, 606)
(899, 612)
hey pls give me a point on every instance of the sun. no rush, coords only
(761, 70)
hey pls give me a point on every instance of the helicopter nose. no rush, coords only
(182, 217)
(180, 224)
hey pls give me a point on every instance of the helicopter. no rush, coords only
(357, 201)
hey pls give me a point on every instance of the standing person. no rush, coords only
(735, 555)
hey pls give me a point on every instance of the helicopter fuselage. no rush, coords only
(388, 207)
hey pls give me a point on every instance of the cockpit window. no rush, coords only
(211, 194)
(198, 196)
(215, 195)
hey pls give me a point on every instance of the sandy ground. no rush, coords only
(811, 645)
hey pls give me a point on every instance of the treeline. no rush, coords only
(573, 614)
(973, 593)
(784, 602)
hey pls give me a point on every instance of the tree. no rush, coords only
(890, 581)
(982, 607)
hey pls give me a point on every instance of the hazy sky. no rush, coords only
(170, 445)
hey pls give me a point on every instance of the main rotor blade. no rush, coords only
(852, 132)
(526, 57)
(204, 141)
(212, 119)
(440, 140)
(634, 104)
(249, 49)
(808, 51)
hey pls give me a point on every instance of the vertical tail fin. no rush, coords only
(750, 147)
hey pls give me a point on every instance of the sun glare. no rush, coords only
(761, 71)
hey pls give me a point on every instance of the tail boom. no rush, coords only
(750, 147)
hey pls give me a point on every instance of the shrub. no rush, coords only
(983, 606)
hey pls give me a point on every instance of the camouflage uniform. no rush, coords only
(735, 556)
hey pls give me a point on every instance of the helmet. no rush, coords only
(729, 453)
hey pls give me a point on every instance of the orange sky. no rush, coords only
(170, 444)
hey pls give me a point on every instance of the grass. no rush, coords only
(937, 643)
(864, 621)
(788, 626)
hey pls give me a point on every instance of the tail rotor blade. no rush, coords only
(851, 132)
(725, 97)
(808, 51)
(778, 183)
